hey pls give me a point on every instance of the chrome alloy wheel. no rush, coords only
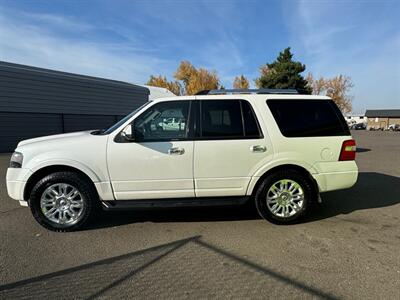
(62, 203)
(285, 198)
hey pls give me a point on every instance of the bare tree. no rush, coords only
(337, 88)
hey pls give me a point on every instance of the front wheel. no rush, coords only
(63, 201)
(283, 197)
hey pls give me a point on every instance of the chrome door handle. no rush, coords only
(176, 151)
(258, 148)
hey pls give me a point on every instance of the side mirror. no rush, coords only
(128, 133)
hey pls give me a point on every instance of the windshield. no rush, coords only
(123, 120)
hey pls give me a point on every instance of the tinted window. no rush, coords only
(251, 127)
(163, 121)
(302, 118)
(221, 119)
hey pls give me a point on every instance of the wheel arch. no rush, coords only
(253, 186)
(44, 171)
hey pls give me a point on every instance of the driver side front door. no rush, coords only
(159, 162)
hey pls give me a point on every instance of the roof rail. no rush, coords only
(248, 91)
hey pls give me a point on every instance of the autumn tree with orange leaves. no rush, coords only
(189, 80)
(161, 81)
(282, 73)
(196, 80)
(241, 82)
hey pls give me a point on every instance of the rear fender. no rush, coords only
(275, 164)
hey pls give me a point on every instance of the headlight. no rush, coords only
(16, 160)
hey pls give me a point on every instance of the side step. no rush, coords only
(171, 203)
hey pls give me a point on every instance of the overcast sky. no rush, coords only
(130, 40)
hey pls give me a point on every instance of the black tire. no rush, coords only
(269, 181)
(85, 188)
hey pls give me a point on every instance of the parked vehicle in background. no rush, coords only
(275, 147)
(394, 127)
(355, 119)
(359, 126)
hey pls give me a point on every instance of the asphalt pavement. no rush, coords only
(348, 247)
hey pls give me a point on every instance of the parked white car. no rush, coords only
(394, 127)
(278, 148)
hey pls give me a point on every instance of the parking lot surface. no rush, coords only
(348, 247)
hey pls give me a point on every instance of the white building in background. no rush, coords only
(158, 92)
(356, 119)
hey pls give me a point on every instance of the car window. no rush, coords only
(306, 118)
(221, 119)
(251, 126)
(164, 121)
(123, 120)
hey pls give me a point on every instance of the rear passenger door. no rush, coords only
(228, 149)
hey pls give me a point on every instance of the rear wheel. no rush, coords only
(284, 196)
(63, 201)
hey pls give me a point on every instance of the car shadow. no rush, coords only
(162, 215)
(372, 190)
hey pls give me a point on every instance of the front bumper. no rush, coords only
(16, 180)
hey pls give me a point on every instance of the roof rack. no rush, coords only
(248, 91)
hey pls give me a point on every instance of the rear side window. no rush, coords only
(228, 119)
(221, 119)
(308, 118)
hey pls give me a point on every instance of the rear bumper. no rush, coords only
(336, 176)
(335, 181)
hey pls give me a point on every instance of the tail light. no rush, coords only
(348, 151)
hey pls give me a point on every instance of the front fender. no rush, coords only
(66, 162)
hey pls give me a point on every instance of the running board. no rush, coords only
(170, 203)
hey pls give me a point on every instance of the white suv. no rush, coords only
(274, 146)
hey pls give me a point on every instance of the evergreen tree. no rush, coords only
(284, 73)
